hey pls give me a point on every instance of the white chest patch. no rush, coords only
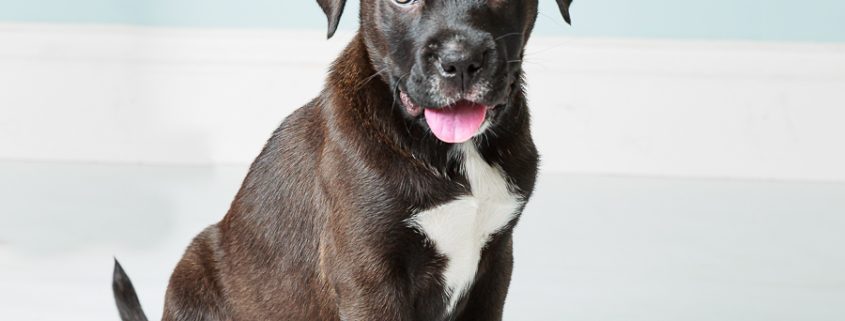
(460, 229)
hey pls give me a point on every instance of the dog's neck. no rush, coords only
(356, 103)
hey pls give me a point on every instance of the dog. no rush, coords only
(392, 195)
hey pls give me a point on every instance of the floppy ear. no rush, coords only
(564, 9)
(333, 10)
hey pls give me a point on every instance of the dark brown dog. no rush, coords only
(393, 195)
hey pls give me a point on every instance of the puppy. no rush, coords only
(393, 194)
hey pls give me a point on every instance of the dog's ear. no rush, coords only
(333, 10)
(564, 9)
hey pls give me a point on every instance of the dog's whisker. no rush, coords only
(370, 78)
(507, 35)
(544, 49)
(525, 61)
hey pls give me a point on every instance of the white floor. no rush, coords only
(588, 247)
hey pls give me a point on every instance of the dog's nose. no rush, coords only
(461, 64)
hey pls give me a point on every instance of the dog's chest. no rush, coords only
(460, 229)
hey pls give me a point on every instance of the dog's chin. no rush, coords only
(454, 123)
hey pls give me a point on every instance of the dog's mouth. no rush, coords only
(455, 123)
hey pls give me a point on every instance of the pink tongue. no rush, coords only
(456, 123)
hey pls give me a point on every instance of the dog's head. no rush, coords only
(453, 64)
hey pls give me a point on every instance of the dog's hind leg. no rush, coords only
(194, 291)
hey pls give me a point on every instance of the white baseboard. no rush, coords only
(634, 107)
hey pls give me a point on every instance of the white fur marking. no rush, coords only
(460, 229)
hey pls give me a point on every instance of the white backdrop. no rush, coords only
(589, 247)
(632, 107)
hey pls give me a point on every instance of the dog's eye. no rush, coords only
(404, 2)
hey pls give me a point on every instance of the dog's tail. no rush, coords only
(125, 296)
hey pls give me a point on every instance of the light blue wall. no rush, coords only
(770, 20)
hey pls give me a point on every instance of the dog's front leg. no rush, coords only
(366, 283)
(487, 298)
(368, 292)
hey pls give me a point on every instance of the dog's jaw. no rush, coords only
(456, 123)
